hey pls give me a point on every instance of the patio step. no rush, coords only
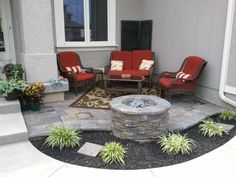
(8, 107)
(12, 128)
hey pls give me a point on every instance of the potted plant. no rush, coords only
(13, 70)
(12, 88)
(34, 94)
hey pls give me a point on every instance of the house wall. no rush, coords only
(189, 27)
(125, 10)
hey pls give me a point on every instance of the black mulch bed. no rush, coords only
(139, 156)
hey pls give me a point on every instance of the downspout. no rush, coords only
(226, 52)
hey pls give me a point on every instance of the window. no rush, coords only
(85, 23)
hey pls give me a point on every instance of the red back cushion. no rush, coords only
(192, 65)
(139, 55)
(68, 59)
(124, 56)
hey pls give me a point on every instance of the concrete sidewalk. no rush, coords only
(23, 160)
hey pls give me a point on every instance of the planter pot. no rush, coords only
(12, 96)
(10, 75)
(35, 107)
(24, 105)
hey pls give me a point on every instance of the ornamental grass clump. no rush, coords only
(63, 137)
(113, 152)
(228, 115)
(175, 143)
(210, 129)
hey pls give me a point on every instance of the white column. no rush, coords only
(38, 40)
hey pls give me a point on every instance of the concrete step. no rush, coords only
(8, 107)
(12, 128)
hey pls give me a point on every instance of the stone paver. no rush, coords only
(182, 115)
(90, 149)
(226, 126)
(72, 111)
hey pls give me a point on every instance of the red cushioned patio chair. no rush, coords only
(170, 83)
(71, 68)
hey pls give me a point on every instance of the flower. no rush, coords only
(61, 78)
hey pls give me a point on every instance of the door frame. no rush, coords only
(8, 32)
(223, 89)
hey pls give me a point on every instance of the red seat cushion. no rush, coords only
(132, 72)
(68, 59)
(165, 83)
(192, 65)
(84, 76)
(139, 55)
(124, 56)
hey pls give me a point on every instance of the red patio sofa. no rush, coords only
(131, 62)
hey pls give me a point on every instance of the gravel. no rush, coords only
(138, 156)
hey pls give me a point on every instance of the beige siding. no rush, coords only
(189, 27)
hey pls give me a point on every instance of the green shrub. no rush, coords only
(175, 143)
(12, 85)
(113, 152)
(228, 115)
(63, 137)
(13, 70)
(210, 129)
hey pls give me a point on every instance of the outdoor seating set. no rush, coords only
(133, 66)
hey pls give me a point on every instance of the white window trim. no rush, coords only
(87, 45)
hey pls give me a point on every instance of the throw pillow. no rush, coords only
(183, 76)
(146, 64)
(116, 65)
(75, 69)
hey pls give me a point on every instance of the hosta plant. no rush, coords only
(113, 152)
(228, 115)
(63, 137)
(175, 143)
(210, 129)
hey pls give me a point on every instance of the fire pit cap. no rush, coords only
(140, 104)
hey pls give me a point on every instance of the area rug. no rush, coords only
(97, 99)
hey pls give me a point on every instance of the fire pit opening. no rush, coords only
(140, 118)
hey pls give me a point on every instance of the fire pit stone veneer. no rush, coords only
(141, 118)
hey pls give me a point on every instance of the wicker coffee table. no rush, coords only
(113, 79)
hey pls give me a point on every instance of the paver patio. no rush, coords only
(182, 115)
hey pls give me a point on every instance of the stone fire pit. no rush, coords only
(140, 118)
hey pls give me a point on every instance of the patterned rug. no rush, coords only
(97, 99)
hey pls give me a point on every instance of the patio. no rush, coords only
(182, 115)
